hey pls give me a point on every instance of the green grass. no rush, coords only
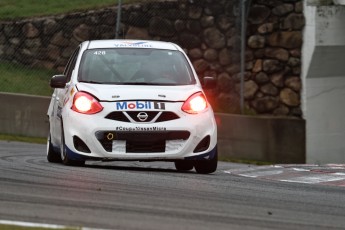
(17, 78)
(10, 9)
(36, 140)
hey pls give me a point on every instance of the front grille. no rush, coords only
(162, 116)
(117, 116)
(134, 115)
(140, 142)
(145, 147)
(167, 116)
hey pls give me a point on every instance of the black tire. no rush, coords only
(52, 156)
(64, 157)
(184, 165)
(206, 166)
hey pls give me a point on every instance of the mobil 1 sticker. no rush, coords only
(140, 105)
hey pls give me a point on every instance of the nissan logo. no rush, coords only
(142, 116)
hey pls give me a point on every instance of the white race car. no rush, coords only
(131, 100)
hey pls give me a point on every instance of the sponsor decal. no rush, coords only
(133, 44)
(121, 128)
(147, 105)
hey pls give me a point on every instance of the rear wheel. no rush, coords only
(64, 157)
(52, 156)
(207, 166)
(184, 165)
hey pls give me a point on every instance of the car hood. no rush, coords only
(139, 92)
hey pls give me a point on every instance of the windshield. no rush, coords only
(135, 66)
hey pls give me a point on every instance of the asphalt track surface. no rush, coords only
(137, 195)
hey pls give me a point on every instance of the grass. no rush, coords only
(17, 78)
(36, 140)
(11, 9)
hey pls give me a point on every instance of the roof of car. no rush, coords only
(121, 43)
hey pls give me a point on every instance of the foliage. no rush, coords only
(10, 9)
(17, 78)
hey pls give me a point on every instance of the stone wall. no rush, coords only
(209, 31)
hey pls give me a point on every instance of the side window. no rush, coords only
(71, 64)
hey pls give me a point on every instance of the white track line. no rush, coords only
(29, 224)
(39, 225)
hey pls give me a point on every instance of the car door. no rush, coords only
(60, 95)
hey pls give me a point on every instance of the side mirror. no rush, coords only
(209, 83)
(58, 81)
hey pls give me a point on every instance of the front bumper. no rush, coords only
(187, 137)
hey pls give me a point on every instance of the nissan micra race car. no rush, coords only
(131, 100)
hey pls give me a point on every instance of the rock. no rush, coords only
(207, 21)
(43, 64)
(31, 43)
(293, 62)
(200, 65)
(211, 55)
(224, 22)
(53, 52)
(234, 41)
(295, 53)
(161, 27)
(299, 7)
(15, 41)
(137, 33)
(59, 39)
(195, 53)
(283, 9)
(269, 89)
(294, 83)
(225, 83)
(258, 14)
(195, 12)
(12, 30)
(266, 28)
(296, 70)
(282, 110)
(272, 66)
(265, 104)
(179, 25)
(262, 78)
(286, 39)
(257, 66)
(229, 102)
(225, 56)
(82, 33)
(278, 79)
(296, 111)
(30, 31)
(189, 41)
(250, 89)
(233, 69)
(214, 38)
(293, 22)
(256, 41)
(138, 19)
(277, 53)
(289, 97)
(194, 26)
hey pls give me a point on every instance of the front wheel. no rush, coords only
(52, 156)
(207, 166)
(183, 165)
(64, 157)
